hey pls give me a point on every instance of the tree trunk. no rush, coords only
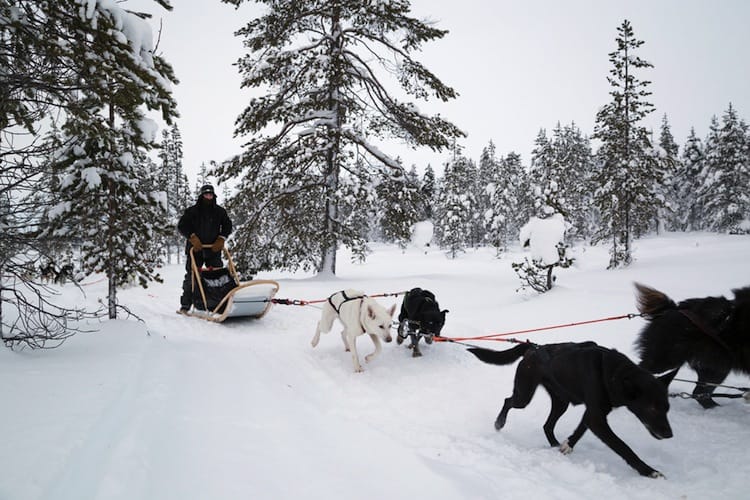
(331, 242)
(111, 208)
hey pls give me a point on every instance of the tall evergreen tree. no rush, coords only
(310, 149)
(669, 153)
(509, 199)
(687, 182)
(455, 207)
(725, 197)
(173, 179)
(399, 206)
(575, 170)
(560, 177)
(427, 190)
(490, 200)
(102, 179)
(543, 178)
(628, 170)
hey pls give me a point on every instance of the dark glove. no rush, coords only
(218, 245)
(196, 242)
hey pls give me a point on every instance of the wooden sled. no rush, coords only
(247, 299)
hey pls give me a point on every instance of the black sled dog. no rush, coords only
(710, 334)
(585, 373)
(420, 316)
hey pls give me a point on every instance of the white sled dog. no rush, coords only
(359, 314)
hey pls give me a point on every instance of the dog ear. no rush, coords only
(666, 378)
(392, 310)
(370, 311)
(444, 311)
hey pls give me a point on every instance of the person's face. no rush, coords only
(208, 196)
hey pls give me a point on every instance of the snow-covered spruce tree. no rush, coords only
(174, 181)
(103, 194)
(628, 167)
(669, 159)
(399, 203)
(45, 67)
(725, 196)
(545, 239)
(310, 147)
(543, 178)
(572, 152)
(455, 207)
(494, 221)
(686, 183)
(510, 201)
(427, 190)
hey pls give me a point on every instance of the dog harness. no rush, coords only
(346, 299)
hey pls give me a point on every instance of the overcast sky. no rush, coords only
(518, 67)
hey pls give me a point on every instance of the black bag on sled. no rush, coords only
(217, 283)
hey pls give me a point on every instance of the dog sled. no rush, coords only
(219, 294)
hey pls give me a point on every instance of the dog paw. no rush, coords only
(565, 448)
(657, 475)
(358, 369)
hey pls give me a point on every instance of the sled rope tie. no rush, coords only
(299, 302)
(698, 397)
(745, 389)
(440, 338)
(497, 336)
(686, 395)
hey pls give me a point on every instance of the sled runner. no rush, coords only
(219, 294)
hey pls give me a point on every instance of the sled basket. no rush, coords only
(219, 294)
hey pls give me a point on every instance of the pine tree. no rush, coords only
(575, 166)
(687, 182)
(309, 145)
(398, 201)
(102, 178)
(493, 220)
(543, 178)
(427, 190)
(669, 153)
(724, 197)
(455, 207)
(629, 170)
(509, 200)
(519, 190)
(559, 177)
(173, 179)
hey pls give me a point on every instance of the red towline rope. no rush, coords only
(298, 302)
(494, 336)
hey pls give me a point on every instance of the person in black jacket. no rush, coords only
(205, 223)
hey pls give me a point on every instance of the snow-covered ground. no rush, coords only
(180, 408)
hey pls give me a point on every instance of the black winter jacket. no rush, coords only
(207, 221)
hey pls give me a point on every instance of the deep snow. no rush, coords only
(180, 408)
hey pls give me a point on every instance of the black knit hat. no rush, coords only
(207, 188)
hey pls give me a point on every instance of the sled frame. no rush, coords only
(227, 303)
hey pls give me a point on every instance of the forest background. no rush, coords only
(88, 180)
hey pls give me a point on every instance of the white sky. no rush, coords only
(518, 66)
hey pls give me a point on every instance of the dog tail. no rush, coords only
(500, 357)
(651, 301)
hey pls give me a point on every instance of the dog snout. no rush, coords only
(388, 338)
(661, 432)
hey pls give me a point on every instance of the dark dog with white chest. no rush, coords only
(585, 373)
(420, 316)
